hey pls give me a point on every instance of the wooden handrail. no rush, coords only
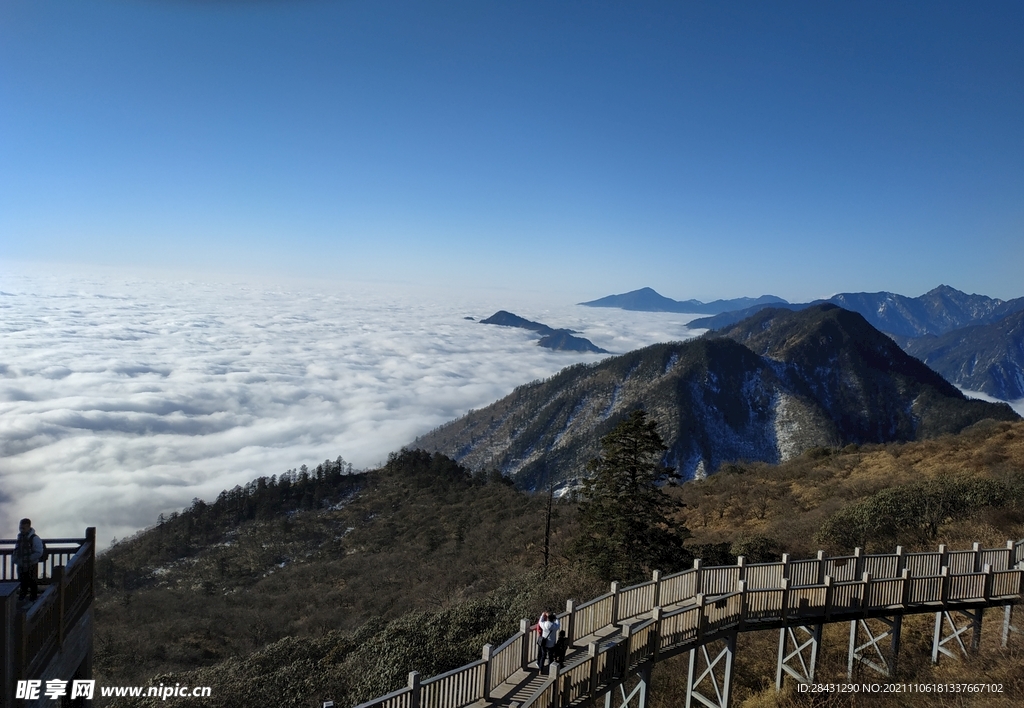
(60, 551)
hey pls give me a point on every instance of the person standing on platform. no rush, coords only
(28, 549)
(549, 626)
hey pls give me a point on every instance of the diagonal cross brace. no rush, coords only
(723, 688)
(886, 667)
(956, 631)
(805, 672)
(639, 692)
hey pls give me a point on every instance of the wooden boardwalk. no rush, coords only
(624, 632)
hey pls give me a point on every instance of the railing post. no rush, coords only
(785, 599)
(1009, 555)
(656, 579)
(700, 619)
(485, 655)
(820, 578)
(570, 620)
(414, 689)
(556, 691)
(698, 583)
(524, 629)
(905, 588)
(22, 659)
(58, 581)
(592, 654)
(943, 556)
(976, 565)
(944, 598)
(989, 577)
(901, 559)
(615, 601)
(656, 633)
(858, 562)
(865, 602)
(741, 563)
(627, 633)
(785, 565)
(741, 587)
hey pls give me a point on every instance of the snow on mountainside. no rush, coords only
(973, 340)
(766, 389)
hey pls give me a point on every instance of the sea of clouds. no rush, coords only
(121, 398)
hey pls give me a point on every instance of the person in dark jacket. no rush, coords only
(28, 549)
(560, 648)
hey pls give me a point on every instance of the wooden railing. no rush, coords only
(61, 605)
(60, 551)
(668, 615)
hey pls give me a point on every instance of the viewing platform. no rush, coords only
(50, 638)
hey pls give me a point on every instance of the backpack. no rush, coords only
(46, 552)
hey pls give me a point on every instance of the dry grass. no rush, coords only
(789, 502)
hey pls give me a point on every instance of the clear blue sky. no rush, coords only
(704, 149)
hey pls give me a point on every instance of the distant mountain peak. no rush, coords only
(649, 300)
(562, 340)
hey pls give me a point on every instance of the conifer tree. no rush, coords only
(625, 515)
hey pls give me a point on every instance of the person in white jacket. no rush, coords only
(28, 549)
(548, 626)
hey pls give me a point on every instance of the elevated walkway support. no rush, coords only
(709, 680)
(872, 653)
(801, 661)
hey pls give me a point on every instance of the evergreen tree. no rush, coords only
(625, 515)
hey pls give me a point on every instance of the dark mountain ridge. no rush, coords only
(556, 339)
(973, 340)
(987, 358)
(938, 311)
(767, 390)
(647, 300)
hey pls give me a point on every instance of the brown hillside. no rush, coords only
(787, 503)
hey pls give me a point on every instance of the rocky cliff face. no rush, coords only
(766, 389)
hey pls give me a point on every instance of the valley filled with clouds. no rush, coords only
(121, 398)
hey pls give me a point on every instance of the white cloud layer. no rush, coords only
(121, 399)
(1017, 405)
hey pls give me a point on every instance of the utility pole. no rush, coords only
(547, 528)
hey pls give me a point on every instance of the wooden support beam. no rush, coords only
(1008, 625)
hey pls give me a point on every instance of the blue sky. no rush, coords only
(576, 148)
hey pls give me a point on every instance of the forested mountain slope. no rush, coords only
(987, 358)
(175, 620)
(767, 389)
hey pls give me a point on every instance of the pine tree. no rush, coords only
(625, 515)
